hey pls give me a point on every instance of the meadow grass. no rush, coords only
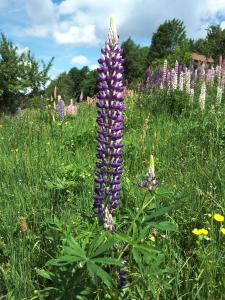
(47, 175)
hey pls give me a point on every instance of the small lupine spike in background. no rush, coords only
(150, 179)
(110, 104)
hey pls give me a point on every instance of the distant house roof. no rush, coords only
(202, 58)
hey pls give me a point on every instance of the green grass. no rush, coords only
(47, 176)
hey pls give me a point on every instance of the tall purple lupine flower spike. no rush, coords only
(110, 125)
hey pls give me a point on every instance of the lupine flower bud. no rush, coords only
(110, 118)
(150, 179)
(202, 97)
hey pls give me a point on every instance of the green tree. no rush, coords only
(21, 76)
(135, 61)
(214, 43)
(200, 46)
(88, 85)
(216, 40)
(170, 35)
(77, 76)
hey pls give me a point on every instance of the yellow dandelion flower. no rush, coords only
(200, 231)
(218, 217)
(152, 238)
(204, 231)
(209, 215)
(196, 231)
(222, 230)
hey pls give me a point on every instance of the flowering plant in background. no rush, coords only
(71, 109)
(110, 118)
(150, 179)
(202, 97)
(60, 108)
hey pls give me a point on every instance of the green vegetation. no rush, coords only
(51, 246)
(23, 79)
(21, 76)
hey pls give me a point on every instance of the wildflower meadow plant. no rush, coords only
(60, 108)
(150, 179)
(110, 104)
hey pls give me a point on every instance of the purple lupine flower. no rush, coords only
(150, 179)
(110, 125)
(60, 108)
(158, 77)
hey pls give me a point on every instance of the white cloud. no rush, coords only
(41, 12)
(20, 49)
(93, 67)
(86, 22)
(37, 31)
(79, 60)
(76, 35)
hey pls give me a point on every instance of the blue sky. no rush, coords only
(74, 30)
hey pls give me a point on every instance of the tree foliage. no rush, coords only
(169, 35)
(71, 84)
(135, 60)
(214, 43)
(21, 75)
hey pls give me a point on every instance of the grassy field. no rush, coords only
(47, 176)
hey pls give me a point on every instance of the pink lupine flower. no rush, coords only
(71, 109)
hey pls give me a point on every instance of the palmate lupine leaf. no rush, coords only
(64, 260)
(107, 261)
(75, 248)
(104, 247)
(157, 213)
(96, 271)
